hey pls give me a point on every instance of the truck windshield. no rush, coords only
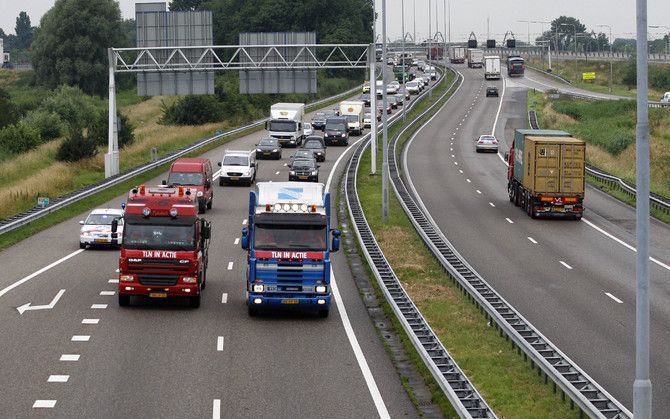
(273, 236)
(159, 237)
(178, 178)
(352, 118)
(282, 126)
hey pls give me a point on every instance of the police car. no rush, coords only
(96, 230)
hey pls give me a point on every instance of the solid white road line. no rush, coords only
(532, 240)
(58, 378)
(107, 292)
(230, 266)
(99, 306)
(219, 343)
(113, 281)
(69, 357)
(468, 180)
(565, 264)
(509, 221)
(216, 409)
(623, 243)
(613, 298)
(224, 298)
(479, 192)
(90, 321)
(237, 241)
(44, 404)
(492, 204)
(81, 338)
(502, 96)
(34, 274)
(360, 358)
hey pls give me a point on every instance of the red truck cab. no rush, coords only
(196, 174)
(164, 250)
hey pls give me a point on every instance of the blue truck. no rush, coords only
(287, 239)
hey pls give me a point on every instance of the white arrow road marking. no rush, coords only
(49, 306)
(34, 274)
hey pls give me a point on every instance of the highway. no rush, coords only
(575, 281)
(87, 357)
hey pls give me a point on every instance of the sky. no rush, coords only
(466, 16)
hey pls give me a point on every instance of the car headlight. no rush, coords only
(258, 150)
(86, 233)
(344, 135)
(292, 173)
(200, 193)
(321, 288)
(314, 173)
(189, 280)
(126, 278)
(274, 150)
(259, 287)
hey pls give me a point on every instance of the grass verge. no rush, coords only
(503, 378)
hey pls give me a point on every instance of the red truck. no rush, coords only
(164, 250)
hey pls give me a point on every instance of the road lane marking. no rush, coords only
(532, 240)
(216, 409)
(456, 163)
(509, 221)
(58, 378)
(360, 357)
(44, 404)
(453, 155)
(460, 171)
(468, 180)
(90, 321)
(224, 298)
(613, 298)
(479, 192)
(565, 264)
(81, 338)
(502, 96)
(237, 241)
(219, 343)
(69, 357)
(276, 173)
(230, 266)
(34, 274)
(99, 306)
(492, 204)
(113, 281)
(107, 292)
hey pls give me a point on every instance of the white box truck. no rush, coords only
(475, 58)
(285, 123)
(457, 55)
(491, 67)
(354, 111)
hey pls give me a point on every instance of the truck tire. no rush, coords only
(202, 207)
(323, 313)
(220, 182)
(194, 302)
(253, 311)
(124, 300)
(209, 204)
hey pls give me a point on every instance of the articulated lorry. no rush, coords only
(287, 240)
(285, 123)
(475, 58)
(457, 55)
(545, 176)
(515, 66)
(491, 67)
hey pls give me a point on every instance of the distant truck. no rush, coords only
(457, 55)
(515, 66)
(435, 53)
(475, 58)
(285, 123)
(287, 242)
(545, 176)
(491, 67)
(354, 111)
(165, 245)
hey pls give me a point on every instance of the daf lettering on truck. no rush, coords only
(285, 123)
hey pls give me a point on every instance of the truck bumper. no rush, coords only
(155, 291)
(289, 301)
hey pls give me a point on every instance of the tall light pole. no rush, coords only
(373, 94)
(449, 5)
(667, 46)
(444, 53)
(610, 42)
(574, 39)
(414, 17)
(430, 43)
(385, 161)
(404, 56)
(642, 384)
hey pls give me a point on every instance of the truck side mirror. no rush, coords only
(335, 246)
(245, 238)
(506, 156)
(252, 164)
(115, 227)
(206, 230)
(208, 184)
(123, 205)
(164, 182)
(219, 163)
(266, 124)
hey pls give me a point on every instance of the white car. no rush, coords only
(238, 167)
(392, 88)
(413, 87)
(486, 143)
(367, 120)
(96, 230)
(665, 100)
(307, 129)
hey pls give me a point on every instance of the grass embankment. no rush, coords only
(566, 69)
(608, 127)
(507, 383)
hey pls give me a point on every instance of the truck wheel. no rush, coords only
(202, 207)
(124, 300)
(82, 245)
(220, 182)
(194, 302)
(253, 311)
(209, 204)
(323, 313)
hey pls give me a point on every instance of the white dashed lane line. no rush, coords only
(276, 173)
(44, 404)
(58, 378)
(565, 264)
(479, 192)
(80, 338)
(113, 281)
(509, 221)
(492, 204)
(69, 357)
(219, 343)
(107, 292)
(216, 409)
(99, 306)
(230, 266)
(613, 298)
(532, 240)
(224, 298)
(468, 180)
(90, 321)
(244, 222)
(237, 241)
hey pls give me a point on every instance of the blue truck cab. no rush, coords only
(287, 238)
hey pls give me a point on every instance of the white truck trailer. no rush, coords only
(475, 58)
(491, 67)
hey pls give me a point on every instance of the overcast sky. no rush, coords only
(466, 16)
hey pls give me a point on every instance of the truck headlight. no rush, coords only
(189, 280)
(259, 287)
(344, 135)
(126, 278)
(321, 288)
(200, 193)
(314, 173)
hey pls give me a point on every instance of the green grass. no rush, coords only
(504, 379)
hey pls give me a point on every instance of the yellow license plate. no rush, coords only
(101, 240)
(559, 209)
(158, 294)
(234, 178)
(292, 301)
(303, 177)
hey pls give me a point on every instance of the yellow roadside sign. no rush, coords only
(589, 76)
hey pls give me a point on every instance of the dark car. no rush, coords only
(319, 120)
(304, 170)
(401, 98)
(389, 109)
(365, 98)
(492, 91)
(301, 154)
(393, 101)
(268, 148)
(317, 145)
(336, 131)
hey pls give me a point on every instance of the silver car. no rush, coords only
(487, 143)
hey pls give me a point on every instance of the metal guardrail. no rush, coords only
(35, 213)
(589, 396)
(461, 393)
(655, 201)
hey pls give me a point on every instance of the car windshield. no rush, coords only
(487, 138)
(304, 164)
(307, 125)
(185, 178)
(335, 126)
(282, 126)
(412, 84)
(313, 144)
(235, 161)
(272, 236)
(101, 219)
(157, 236)
(303, 154)
(268, 142)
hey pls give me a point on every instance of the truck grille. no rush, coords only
(234, 173)
(161, 280)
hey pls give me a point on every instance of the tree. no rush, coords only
(563, 31)
(71, 45)
(3, 35)
(185, 5)
(24, 31)
(8, 113)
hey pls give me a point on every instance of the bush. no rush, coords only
(72, 105)
(47, 123)
(18, 138)
(99, 131)
(8, 111)
(76, 147)
(659, 77)
(193, 110)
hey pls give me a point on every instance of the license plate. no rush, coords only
(569, 207)
(158, 294)
(559, 209)
(101, 240)
(267, 153)
(291, 301)
(234, 178)
(302, 177)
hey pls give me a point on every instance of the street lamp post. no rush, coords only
(610, 42)
(430, 42)
(385, 162)
(404, 81)
(373, 94)
(444, 53)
